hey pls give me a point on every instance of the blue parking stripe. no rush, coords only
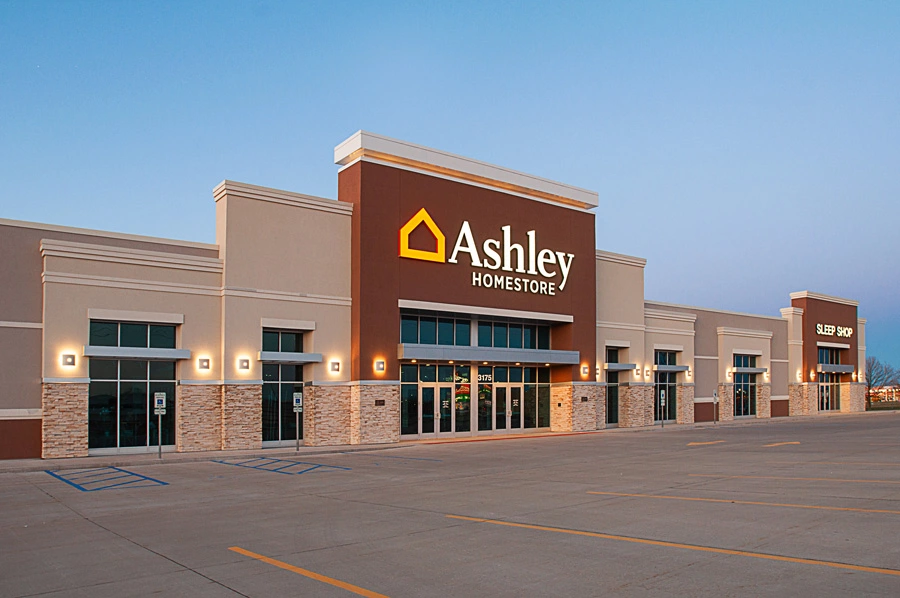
(283, 466)
(87, 483)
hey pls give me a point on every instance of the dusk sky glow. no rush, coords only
(746, 149)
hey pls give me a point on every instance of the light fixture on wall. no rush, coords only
(68, 359)
(637, 371)
(203, 364)
(598, 371)
(854, 376)
(585, 370)
(335, 366)
(689, 372)
(647, 372)
(728, 373)
(379, 366)
(243, 364)
(812, 375)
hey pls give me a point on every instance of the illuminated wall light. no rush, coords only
(451, 361)
(647, 372)
(335, 366)
(637, 372)
(243, 364)
(379, 366)
(585, 370)
(413, 360)
(799, 376)
(68, 360)
(598, 371)
(689, 372)
(203, 364)
(812, 375)
(854, 376)
(547, 364)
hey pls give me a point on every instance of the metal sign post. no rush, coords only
(159, 410)
(662, 407)
(715, 406)
(298, 409)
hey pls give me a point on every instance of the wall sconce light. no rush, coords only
(854, 376)
(335, 366)
(799, 376)
(451, 361)
(379, 366)
(546, 364)
(637, 372)
(68, 360)
(689, 372)
(728, 373)
(812, 375)
(203, 364)
(585, 370)
(243, 364)
(598, 371)
(647, 372)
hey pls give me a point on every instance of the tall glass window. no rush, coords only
(665, 389)
(280, 382)
(744, 386)
(612, 388)
(121, 391)
(120, 399)
(434, 329)
(829, 384)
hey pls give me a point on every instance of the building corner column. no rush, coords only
(64, 412)
(764, 401)
(684, 413)
(374, 413)
(241, 416)
(726, 402)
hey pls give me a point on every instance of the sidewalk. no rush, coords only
(144, 459)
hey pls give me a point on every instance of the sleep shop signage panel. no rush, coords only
(832, 330)
(497, 263)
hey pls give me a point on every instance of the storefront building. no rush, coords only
(437, 297)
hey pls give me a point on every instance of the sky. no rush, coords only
(745, 149)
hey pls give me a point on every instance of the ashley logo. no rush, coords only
(493, 254)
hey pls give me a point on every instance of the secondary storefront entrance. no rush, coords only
(461, 400)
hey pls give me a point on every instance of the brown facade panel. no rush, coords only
(704, 412)
(818, 312)
(20, 439)
(780, 408)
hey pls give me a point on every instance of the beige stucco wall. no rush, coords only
(668, 330)
(20, 368)
(287, 256)
(620, 312)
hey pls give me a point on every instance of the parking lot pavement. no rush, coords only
(804, 507)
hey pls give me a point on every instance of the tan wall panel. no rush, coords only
(620, 293)
(779, 379)
(331, 338)
(20, 368)
(706, 377)
(67, 325)
(633, 354)
(286, 248)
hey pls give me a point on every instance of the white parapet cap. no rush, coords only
(821, 297)
(363, 145)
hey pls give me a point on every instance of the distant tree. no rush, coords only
(878, 374)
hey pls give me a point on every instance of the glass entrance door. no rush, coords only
(436, 411)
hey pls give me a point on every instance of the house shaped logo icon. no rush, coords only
(439, 253)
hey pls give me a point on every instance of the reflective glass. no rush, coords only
(612, 356)
(428, 331)
(462, 373)
(446, 409)
(515, 336)
(409, 409)
(288, 417)
(133, 335)
(463, 333)
(291, 373)
(427, 409)
(485, 374)
(103, 369)
(102, 414)
(270, 340)
(291, 342)
(409, 329)
(445, 332)
(162, 370)
(427, 373)
(500, 374)
(270, 372)
(409, 373)
(530, 407)
(445, 373)
(531, 375)
(132, 413)
(269, 412)
(529, 337)
(515, 374)
(463, 408)
(133, 370)
(500, 409)
(544, 375)
(485, 409)
(515, 407)
(543, 406)
(484, 334)
(500, 335)
(162, 337)
(543, 337)
(104, 334)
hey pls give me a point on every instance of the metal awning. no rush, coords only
(670, 368)
(289, 358)
(489, 354)
(824, 368)
(619, 367)
(750, 370)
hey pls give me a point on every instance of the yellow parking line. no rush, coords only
(696, 547)
(335, 582)
(749, 502)
(772, 477)
(704, 443)
(779, 444)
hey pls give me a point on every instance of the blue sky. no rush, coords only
(747, 150)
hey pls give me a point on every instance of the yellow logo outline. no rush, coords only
(438, 255)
